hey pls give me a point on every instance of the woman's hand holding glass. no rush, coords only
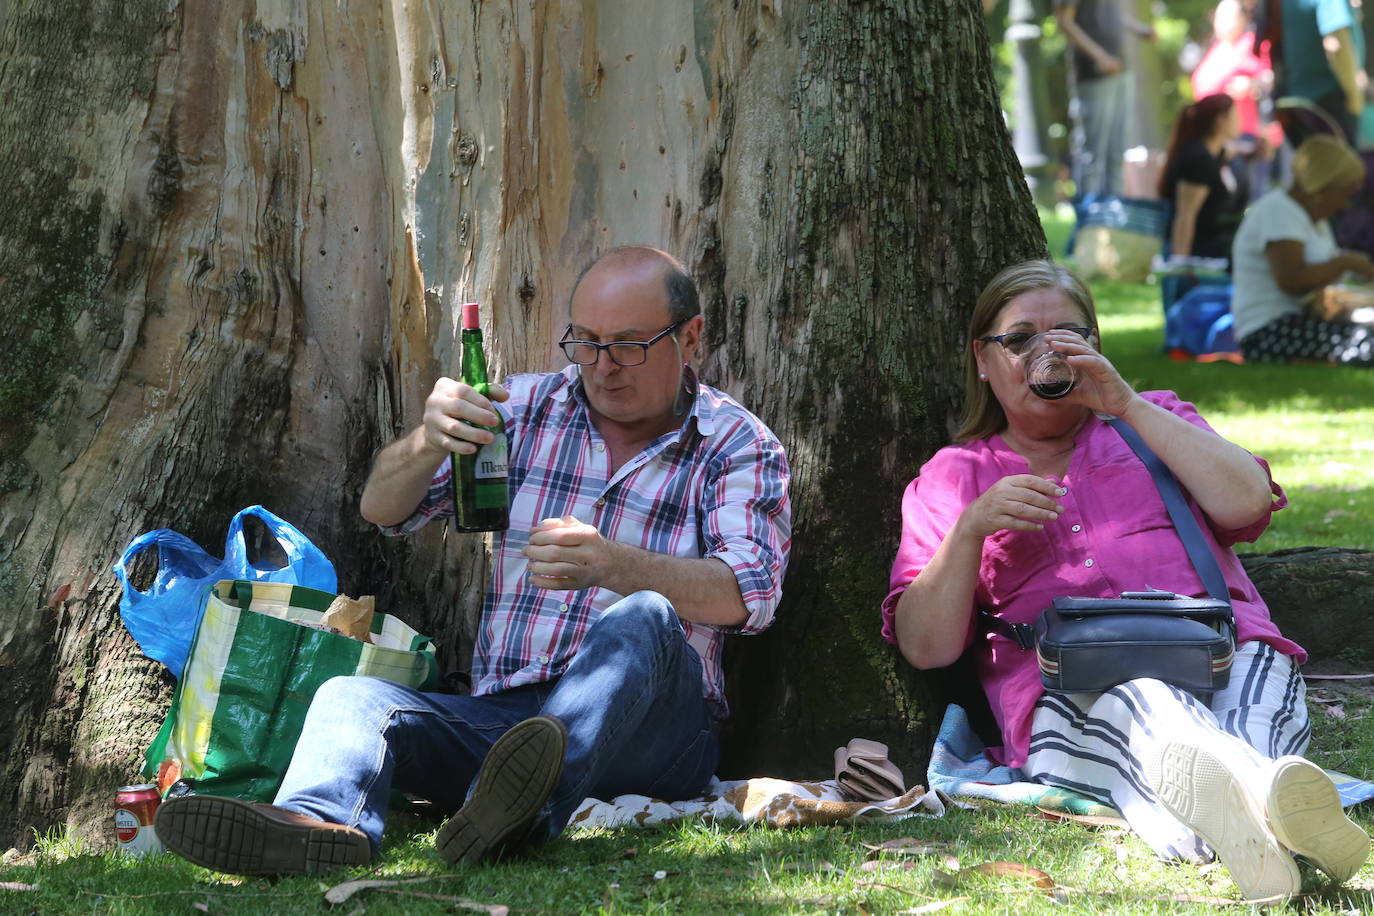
(1021, 502)
(1100, 387)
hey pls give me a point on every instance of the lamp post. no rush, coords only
(1028, 136)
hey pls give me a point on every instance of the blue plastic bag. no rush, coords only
(163, 619)
(1196, 322)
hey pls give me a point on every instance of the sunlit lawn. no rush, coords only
(709, 869)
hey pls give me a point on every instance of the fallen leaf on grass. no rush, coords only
(341, 892)
(629, 853)
(941, 878)
(1090, 820)
(491, 909)
(17, 886)
(1334, 711)
(889, 864)
(1034, 876)
(1013, 870)
(935, 905)
(906, 846)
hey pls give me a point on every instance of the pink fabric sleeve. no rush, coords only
(1226, 537)
(931, 505)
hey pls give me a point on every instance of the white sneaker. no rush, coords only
(1305, 814)
(1202, 790)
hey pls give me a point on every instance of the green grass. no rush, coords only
(700, 868)
(1313, 423)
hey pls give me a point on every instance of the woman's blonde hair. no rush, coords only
(1324, 161)
(983, 414)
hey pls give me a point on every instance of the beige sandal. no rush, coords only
(864, 773)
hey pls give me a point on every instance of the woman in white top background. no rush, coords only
(1284, 251)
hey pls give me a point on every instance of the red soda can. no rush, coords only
(135, 808)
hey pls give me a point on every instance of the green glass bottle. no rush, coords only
(480, 499)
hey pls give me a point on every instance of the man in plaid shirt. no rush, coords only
(649, 517)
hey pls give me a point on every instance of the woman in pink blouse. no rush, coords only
(1041, 498)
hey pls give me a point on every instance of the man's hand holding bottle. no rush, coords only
(455, 413)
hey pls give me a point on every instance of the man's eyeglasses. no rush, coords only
(622, 352)
(1017, 342)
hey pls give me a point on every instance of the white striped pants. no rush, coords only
(1093, 743)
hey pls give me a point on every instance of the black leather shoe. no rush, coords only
(249, 838)
(518, 776)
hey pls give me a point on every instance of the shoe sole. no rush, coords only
(233, 836)
(1304, 811)
(517, 777)
(1199, 789)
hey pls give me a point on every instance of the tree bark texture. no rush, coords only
(237, 234)
(1320, 597)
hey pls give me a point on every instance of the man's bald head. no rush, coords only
(683, 302)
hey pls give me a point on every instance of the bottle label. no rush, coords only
(490, 461)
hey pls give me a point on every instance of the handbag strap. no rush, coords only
(1023, 634)
(1185, 523)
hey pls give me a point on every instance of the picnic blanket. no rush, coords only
(960, 768)
(761, 800)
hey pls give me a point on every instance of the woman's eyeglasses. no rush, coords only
(1018, 342)
(622, 352)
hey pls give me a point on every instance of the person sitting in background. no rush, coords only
(1042, 498)
(1285, 251)
(1208, 196)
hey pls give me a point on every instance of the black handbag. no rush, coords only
(1093, 644)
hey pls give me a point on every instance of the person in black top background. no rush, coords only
(1208, 197)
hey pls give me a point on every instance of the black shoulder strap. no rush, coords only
(1023, 634)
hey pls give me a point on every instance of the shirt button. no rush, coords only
(1076, 528)
(1087, 562)
(601, 502)
(562, 609)
(600, 447)
(543, 659)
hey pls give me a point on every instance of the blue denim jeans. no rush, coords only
(631, 700)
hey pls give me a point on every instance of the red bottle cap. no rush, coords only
(470, 321)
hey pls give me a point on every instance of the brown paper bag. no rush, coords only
(352, 618)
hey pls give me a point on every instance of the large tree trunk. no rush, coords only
(236, 234)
